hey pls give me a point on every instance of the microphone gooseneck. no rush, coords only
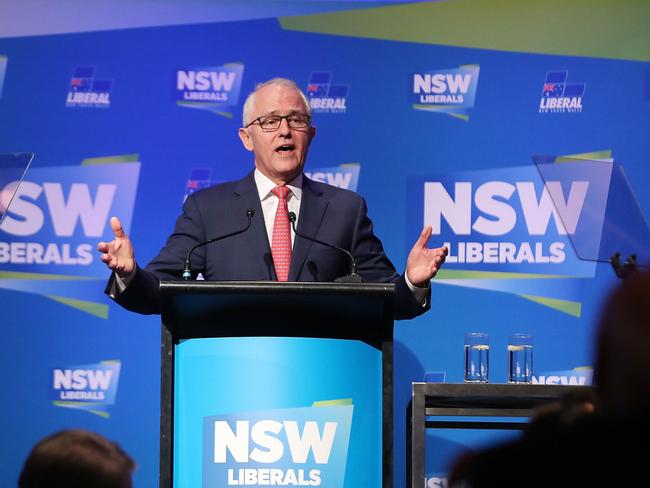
(353, 276)
(187, 271)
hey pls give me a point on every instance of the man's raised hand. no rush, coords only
(424, 263)
(118, 254)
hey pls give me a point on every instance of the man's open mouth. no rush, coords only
(285, 148)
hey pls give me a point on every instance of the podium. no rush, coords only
(268, 383)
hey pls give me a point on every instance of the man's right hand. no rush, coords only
(118, 254)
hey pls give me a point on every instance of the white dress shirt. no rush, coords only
(270, 202)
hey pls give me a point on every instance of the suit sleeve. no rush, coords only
(141, 295)
(374, 266)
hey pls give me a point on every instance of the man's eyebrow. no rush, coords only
(291, 112)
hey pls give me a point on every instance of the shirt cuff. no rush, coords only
(420, 294)
(119, 284)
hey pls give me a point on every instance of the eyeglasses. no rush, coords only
(271, 123)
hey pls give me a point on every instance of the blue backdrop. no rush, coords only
(408, 99)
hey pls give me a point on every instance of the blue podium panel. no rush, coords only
(273, 411)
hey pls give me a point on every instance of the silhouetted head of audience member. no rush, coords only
(505, 463)
(569, 408)
(622, 365)
(586, 445)
(76, 459)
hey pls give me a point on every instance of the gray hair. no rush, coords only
(250, 100)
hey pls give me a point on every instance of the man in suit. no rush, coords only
(277, 129)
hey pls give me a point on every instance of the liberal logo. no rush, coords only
(558, 96)
(325, 96)
(88, 92)
(344, 176)
(577, 376)
(89, 387)
(199, 178)
(58, 214)
(213, 88)
(508, 230)
(289, 447)
(3, 70)
(450, 91)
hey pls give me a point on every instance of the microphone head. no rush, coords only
(292, 217)
(250, 212)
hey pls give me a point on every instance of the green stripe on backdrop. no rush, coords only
(333, 403)
(467, 274)
(101, 413)
(97, 309)
(593, 28)
(20, 275)
(126, 158)
(567, 306)
(591, 156)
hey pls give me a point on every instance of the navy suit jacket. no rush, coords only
(327, 213)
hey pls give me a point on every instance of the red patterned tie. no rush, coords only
(281, 245)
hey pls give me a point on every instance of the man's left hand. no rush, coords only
(423, 263)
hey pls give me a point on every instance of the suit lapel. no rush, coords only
(247, 196)
(312, 210)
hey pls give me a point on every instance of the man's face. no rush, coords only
(280, 155)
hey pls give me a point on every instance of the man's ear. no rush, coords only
(312, 133)
(246, 140)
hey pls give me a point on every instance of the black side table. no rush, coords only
(468, 400)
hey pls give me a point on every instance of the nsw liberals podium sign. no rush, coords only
(283, 447)
(277, 411)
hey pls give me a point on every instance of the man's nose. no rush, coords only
(284, 128)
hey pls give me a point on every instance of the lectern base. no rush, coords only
(277, 411)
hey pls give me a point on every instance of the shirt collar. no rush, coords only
(265, 185)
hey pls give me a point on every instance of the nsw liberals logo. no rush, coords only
(576, 376)
(213, 88)
(450, 91)
(436, 480)
(3, 69)
(56, 218)
(325, 96)
(290, 447)
(89, 387)
(559, 96)
(507, 230)
(88, 92)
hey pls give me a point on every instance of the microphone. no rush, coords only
(353, 277)
(187, 272)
